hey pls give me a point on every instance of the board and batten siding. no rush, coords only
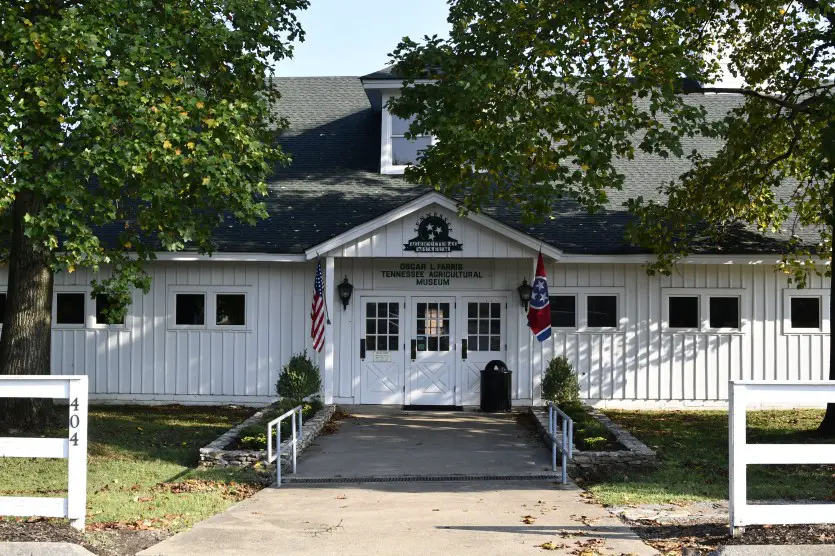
(149, 360)
(641, 364)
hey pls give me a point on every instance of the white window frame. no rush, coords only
(704, 295)
(89, 311)
(247, 312)
(210, 293)
(554, 293)
(665, 310)
(582, 294)
(825, 323)
(93, 323)
(83, 290)
(386, 150)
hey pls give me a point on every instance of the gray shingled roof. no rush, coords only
(334, 182)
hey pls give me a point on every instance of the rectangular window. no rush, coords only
(724, 312)
(563, 311)
(405, 151)
(484, 326)
(602, 311)
(382, 326)
(230, 309)
(70, 308)
(103, 302)
(684, 312)
(806, 312)
(190, 309)
(2, 308)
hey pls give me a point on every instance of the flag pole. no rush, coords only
(324, 297)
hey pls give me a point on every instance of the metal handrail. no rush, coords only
(297, 434)
(566, 443)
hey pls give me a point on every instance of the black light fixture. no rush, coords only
(345, 289)
(525, 292)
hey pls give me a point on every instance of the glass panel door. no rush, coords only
(432, 372)
(381, 353)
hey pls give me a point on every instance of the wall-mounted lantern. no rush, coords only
(345, 289)
(525, 293)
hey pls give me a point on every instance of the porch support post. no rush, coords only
(334, 312)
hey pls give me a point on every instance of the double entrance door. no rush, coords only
(417, 350)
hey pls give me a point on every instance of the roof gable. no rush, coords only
(429, 226)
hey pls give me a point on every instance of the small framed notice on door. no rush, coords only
(382, 356)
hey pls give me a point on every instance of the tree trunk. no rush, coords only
(25, 343)
(827, 426)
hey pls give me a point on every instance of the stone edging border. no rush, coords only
(214, 454)
(637, 455)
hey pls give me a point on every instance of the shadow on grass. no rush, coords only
(692, 451)
(169, 433)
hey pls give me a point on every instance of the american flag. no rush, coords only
(317, 310)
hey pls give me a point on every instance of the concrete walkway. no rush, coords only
(426, 518)
(381, 442)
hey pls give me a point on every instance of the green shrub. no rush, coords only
(560, 385)
(299, 379)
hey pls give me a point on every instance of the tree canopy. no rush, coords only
(534, 101)
(126, 127)
(131, 126)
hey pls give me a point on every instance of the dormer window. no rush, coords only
(405, 151)
(397, 151)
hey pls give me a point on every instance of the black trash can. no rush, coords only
(495, 387)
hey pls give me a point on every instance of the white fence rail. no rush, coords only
(275, 455)
(742, 454)
(73, 448)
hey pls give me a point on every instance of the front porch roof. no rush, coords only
(432, 199)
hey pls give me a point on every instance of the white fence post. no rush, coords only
(738, 488)
(73, 448)
(741, 454)
(77, 464)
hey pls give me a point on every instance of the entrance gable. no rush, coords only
(430, 227)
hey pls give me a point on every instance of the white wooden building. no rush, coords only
(434, 295)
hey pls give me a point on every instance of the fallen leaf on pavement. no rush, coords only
(551, 546)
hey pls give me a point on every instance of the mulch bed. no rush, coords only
(702, 539)
(232, 490)
(335, 422)
(112, 542)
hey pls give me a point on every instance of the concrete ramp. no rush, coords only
(392, 444)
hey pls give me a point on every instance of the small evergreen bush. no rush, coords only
(299, 379)
(560, 384)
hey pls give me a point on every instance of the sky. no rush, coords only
(354, 37)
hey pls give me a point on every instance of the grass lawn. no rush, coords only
(135, 453)
(692, 448)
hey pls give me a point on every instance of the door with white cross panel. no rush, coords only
(432, 367)
(482, 340)
(382, 355)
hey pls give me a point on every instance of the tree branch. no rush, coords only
(823, 8)
(805, 106)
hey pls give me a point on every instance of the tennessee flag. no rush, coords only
(539, 309)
